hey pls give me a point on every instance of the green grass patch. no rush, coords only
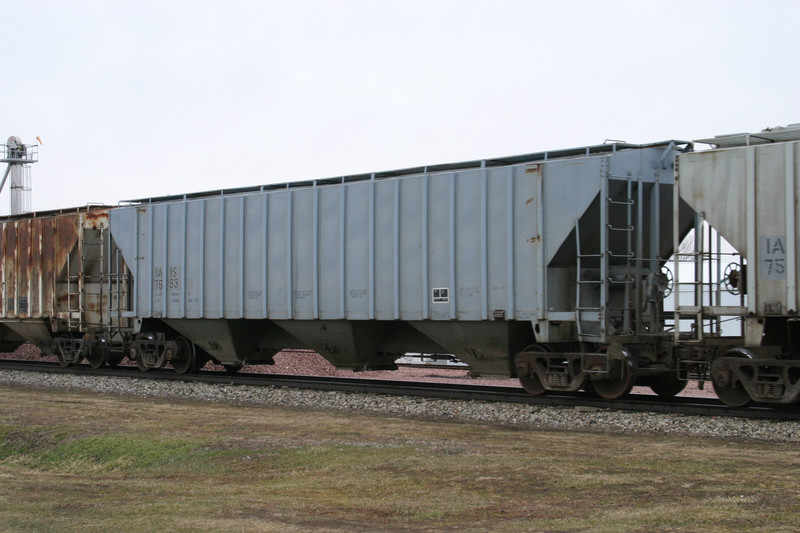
(66, 451)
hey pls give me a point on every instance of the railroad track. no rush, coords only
(643, 403)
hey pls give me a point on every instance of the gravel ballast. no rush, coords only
(527, 416)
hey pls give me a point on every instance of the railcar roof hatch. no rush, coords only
(769, 135)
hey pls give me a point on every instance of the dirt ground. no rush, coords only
(103, 462)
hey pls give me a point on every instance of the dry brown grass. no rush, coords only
(79, 461)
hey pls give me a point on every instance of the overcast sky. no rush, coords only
(146, 98)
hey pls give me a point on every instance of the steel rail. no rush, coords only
(638, 403)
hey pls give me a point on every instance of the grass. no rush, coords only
(77, 462)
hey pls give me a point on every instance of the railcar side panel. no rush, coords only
(36, 252)
(439, 247)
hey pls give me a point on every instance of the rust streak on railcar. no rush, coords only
(23, 267)
(95, 219)
(34, 300)
(47, 272)
(9, 269)
(66, 237)
(35, 253)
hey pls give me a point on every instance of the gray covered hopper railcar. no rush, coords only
(742, 299)
(548, 264)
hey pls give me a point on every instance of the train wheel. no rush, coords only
(97, 355)
(184, 360)
(667, 385)
(140, 364)
(732, 396)
(611, 389)
(61, 360)
(726, 386)
(531, 382)
(532, 385)
(97, 359)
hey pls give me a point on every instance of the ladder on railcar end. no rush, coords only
(87, 283)
(584, 312)
(117, 280)
(699, 303)
(692, 313)
(75, 297)
(606, 282)
(100, 278)
(76, 286)
(626, 279)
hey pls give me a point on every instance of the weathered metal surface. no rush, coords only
(38, 253)
(9, 270)
(47, 274)
(95, 220)
(35, 302)
(750, 195)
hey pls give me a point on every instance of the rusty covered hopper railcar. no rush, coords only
(62, 281)
(558, 252)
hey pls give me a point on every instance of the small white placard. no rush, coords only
(441, 295)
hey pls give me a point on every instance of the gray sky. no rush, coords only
(145, 98)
